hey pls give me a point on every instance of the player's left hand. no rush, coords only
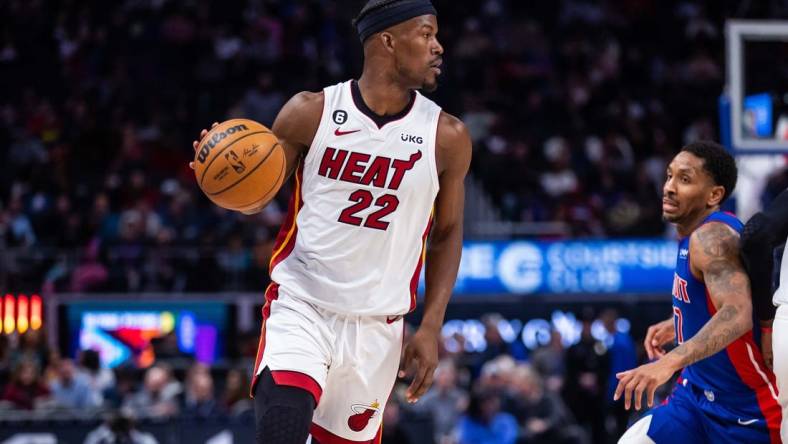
(196, 143)
(644, 379)
(419, 360)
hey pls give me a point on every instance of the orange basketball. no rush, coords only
(239, 164)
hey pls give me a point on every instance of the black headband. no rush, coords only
(378, 19)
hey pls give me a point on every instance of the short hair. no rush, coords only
(718, 162)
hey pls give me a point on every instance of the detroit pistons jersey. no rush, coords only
(354, 238)
(739, 369)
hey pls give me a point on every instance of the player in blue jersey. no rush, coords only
(725, 393)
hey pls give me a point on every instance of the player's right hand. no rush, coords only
(196, 143)
(657, 336)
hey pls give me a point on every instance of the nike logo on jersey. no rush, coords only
(393, 319)
(748, 422)
(337, 132)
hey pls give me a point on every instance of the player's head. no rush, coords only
(699, 178)
(402, 34)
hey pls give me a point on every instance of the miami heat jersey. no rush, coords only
(740, 368)
(354, 238)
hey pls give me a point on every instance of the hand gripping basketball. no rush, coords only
(239, 164)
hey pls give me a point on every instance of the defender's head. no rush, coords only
(402, 34)
(699, 178)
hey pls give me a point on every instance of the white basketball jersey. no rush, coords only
(355, 235)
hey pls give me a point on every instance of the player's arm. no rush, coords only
(763, 232)
(443, 251)
(295, 127)
(714, 258)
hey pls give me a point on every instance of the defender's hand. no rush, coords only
(644, 379)
(657, 336)
(419, 360)
(196, 143)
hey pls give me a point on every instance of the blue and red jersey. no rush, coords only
(739, 371)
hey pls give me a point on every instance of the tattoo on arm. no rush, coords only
(720, 331)
(717, 258)
(717, 240)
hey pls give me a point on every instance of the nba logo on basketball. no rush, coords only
(361, 415)
(235, 162)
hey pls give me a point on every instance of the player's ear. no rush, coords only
(716, 195)
(387, 39)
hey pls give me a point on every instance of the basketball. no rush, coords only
(239, 164)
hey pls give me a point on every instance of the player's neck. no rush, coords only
(684, 229)
(382, 95)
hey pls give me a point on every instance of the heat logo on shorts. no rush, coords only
(362, 413)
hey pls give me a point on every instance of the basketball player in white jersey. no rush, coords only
(762, 234)
(377, 170)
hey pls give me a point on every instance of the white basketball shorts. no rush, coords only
(780, 354)
(348, 363)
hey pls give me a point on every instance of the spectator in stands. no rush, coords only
(158, 396)
(199, 400)
(496, 374)
(444, 402)
(19, 231)
(623, 357)
(90, 274)
(484, 423)
(72, 390)
(5, 355)
(549, 362)
(393, 430)
(26, 390)
(587, 369)
(123, 389)
(235, 400)
(543, 417)
(495, 344)
(119, 428)
(31, 347)
(101, 379)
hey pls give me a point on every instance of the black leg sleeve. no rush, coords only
(283, 414)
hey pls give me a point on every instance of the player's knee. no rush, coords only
(283, 413)
(638, 433)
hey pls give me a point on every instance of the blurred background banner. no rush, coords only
(561, 267)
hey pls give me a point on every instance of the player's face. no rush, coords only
(687, 188)
(419, 59)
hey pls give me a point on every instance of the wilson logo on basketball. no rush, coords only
(210, 143)
(361, 415)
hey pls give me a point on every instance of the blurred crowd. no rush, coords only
(573, 106)
(36, 378)
(559, 393)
